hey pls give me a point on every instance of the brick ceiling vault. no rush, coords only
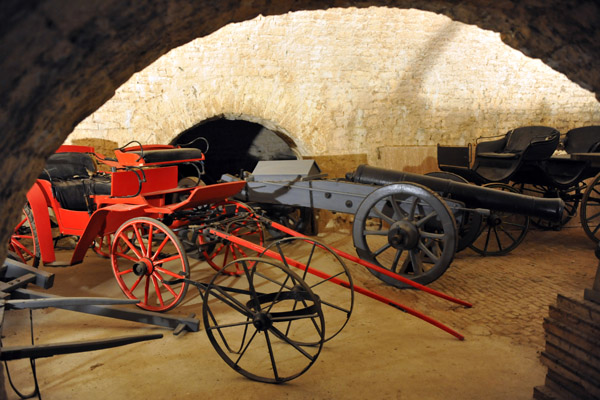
(60, 61)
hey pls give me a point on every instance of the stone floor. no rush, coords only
(382, 353)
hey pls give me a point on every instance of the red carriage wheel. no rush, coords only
(24, 243)
(145, 253)
(102, 244)
(238, 220)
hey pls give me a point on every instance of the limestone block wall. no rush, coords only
(386, 84)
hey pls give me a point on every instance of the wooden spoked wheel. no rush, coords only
(259, 321)
(590, 210)
(501, 232)
(407, 229)
(24, 243)
(102, 245)
(324, 272)
(144, 254)
(238, 220)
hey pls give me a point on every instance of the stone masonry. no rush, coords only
(386, 83)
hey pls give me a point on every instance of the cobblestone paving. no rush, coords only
(510, 294)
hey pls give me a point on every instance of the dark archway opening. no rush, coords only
(233, 146)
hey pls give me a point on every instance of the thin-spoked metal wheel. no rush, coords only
(257, 322)
(324, 272)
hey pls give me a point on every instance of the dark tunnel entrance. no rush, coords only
(233, 146)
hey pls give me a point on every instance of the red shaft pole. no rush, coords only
(337, 281)
(380, 269)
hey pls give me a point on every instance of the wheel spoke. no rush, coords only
(428, 252)
(157, 290)
(138, 236)
(384, 217)
(130, 245)
(425, 219)
(416, 263)
(283, 337)
(498, 239)
(170, 273)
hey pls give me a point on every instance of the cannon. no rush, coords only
(409, 224)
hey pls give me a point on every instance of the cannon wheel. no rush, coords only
(470, 225)
(337, 300)
(407, 229)
(142, 265)
(501, 232)
(590, 210)
(259, 321)
(571, 196)
(243, 226)
(24, 242)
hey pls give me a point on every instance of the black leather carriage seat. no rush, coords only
(499, 160)
(565, 173)
(74, 177)
(585, 139)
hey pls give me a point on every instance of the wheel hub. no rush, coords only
(403, 235)
(143, 267)
(494, 220)
(262, 321)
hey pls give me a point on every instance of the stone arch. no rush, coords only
(234, 144)
(59, 65)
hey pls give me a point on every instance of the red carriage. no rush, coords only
(136, 214)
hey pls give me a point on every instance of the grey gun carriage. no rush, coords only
(407, 223)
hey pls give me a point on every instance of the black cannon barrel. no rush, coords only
(472, 195)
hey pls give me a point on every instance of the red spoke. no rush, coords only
(138, 235)
(125, 239)
(136, 283)
(170, 273)
(16, 236)
(162, 245)
(126, 271)
(149, 246)
(168, 287)
(146, 289)
(127, 256)
(155, 283)
(167, 259)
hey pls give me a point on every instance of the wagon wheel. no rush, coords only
(468, 222)
(337, 297)
(24, 242)
(501, 231)
(238, 221)
(571, 196)
(590, 210)
(407, 229)
(102, 245)
(141, 265)
(248, 320)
